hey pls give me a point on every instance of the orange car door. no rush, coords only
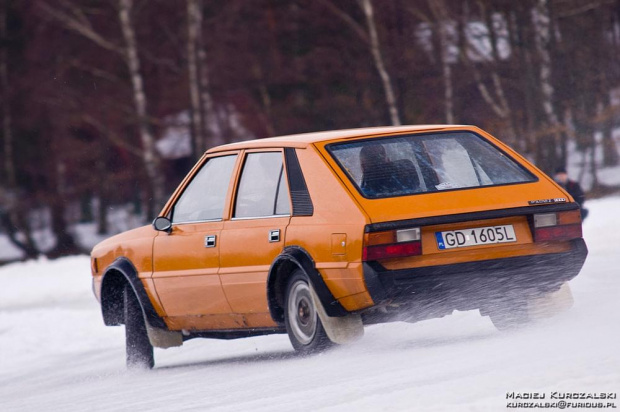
(254, 236)
(186, 260)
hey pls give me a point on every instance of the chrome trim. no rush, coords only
(197, 221)
(260, 217)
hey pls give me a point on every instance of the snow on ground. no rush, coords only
(56, 355)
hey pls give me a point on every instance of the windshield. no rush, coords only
(405, 165)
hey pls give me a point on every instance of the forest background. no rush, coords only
(105, 105)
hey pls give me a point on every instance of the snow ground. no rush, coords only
(56, 355)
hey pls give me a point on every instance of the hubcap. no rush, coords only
(301, 313)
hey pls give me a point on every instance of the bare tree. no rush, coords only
(194, 22)
(375, 49)
(203, 116)
(150, 156)
(543, 27)
(441, 19)
(492, 90)
(12, 215)
(207, 105)
(9, 165)
(371, 38)
(74, 18)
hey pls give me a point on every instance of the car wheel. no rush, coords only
(303, 325)
(511, 316)
(138, 347)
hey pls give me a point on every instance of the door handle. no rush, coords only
(210, 241)
(274, 235)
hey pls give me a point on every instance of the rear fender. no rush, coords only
(296, 257)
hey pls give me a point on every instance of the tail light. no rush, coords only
(557, 226)
(392, 244)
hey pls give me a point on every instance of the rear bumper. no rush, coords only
(472, 285)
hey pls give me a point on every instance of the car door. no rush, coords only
(254, 235)
(186, 260)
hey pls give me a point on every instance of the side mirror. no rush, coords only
(162, 224)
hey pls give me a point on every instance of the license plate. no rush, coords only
(476, 236)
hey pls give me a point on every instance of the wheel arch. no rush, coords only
(293, 257)
(119, 273)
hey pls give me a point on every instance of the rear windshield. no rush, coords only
(405, 165)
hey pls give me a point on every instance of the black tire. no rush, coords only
(302, 321)
(138, 347)
(510, 316)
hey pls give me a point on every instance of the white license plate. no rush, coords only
(476, 236)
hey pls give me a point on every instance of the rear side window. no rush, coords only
(406, 165)
(263, 189)
(205, 196)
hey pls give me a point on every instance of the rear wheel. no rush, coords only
(302, 321)
(138, 347)
(510, 316)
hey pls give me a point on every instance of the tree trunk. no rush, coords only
(542, 26)
(65, 242)
(203, 110)
(12, 212)
(194, 20)
(149, 155)
(521, 48)
(375, 49)
(265, 97)
(102, 215)
(440, 13)
(610, 149)
(9, 165)
(209, 117)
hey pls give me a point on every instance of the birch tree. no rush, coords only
(492, 90)
(207, 105)
(441, 19)
(194, 23)
(203, 116)
(543, 36)
(370, 37)
(150, 155)
(377, 55)
(74, 18)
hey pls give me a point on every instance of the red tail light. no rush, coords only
(392, 251)
(557, 233)
(392, 244)
(557, 226)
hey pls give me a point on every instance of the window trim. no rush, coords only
(328, 148)
(235, 193)
(258, 217)
(193, 222)
(190, 178)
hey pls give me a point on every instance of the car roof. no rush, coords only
(304, 139)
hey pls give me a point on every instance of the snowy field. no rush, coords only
(56, 355)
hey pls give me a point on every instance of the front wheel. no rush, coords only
(302, 321)
(138, 347)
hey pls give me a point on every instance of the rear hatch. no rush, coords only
(451, 196)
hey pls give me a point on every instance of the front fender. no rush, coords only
(122, 270)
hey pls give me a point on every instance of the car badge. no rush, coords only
(547, 201)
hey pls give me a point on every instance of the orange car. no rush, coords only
(315, 235)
